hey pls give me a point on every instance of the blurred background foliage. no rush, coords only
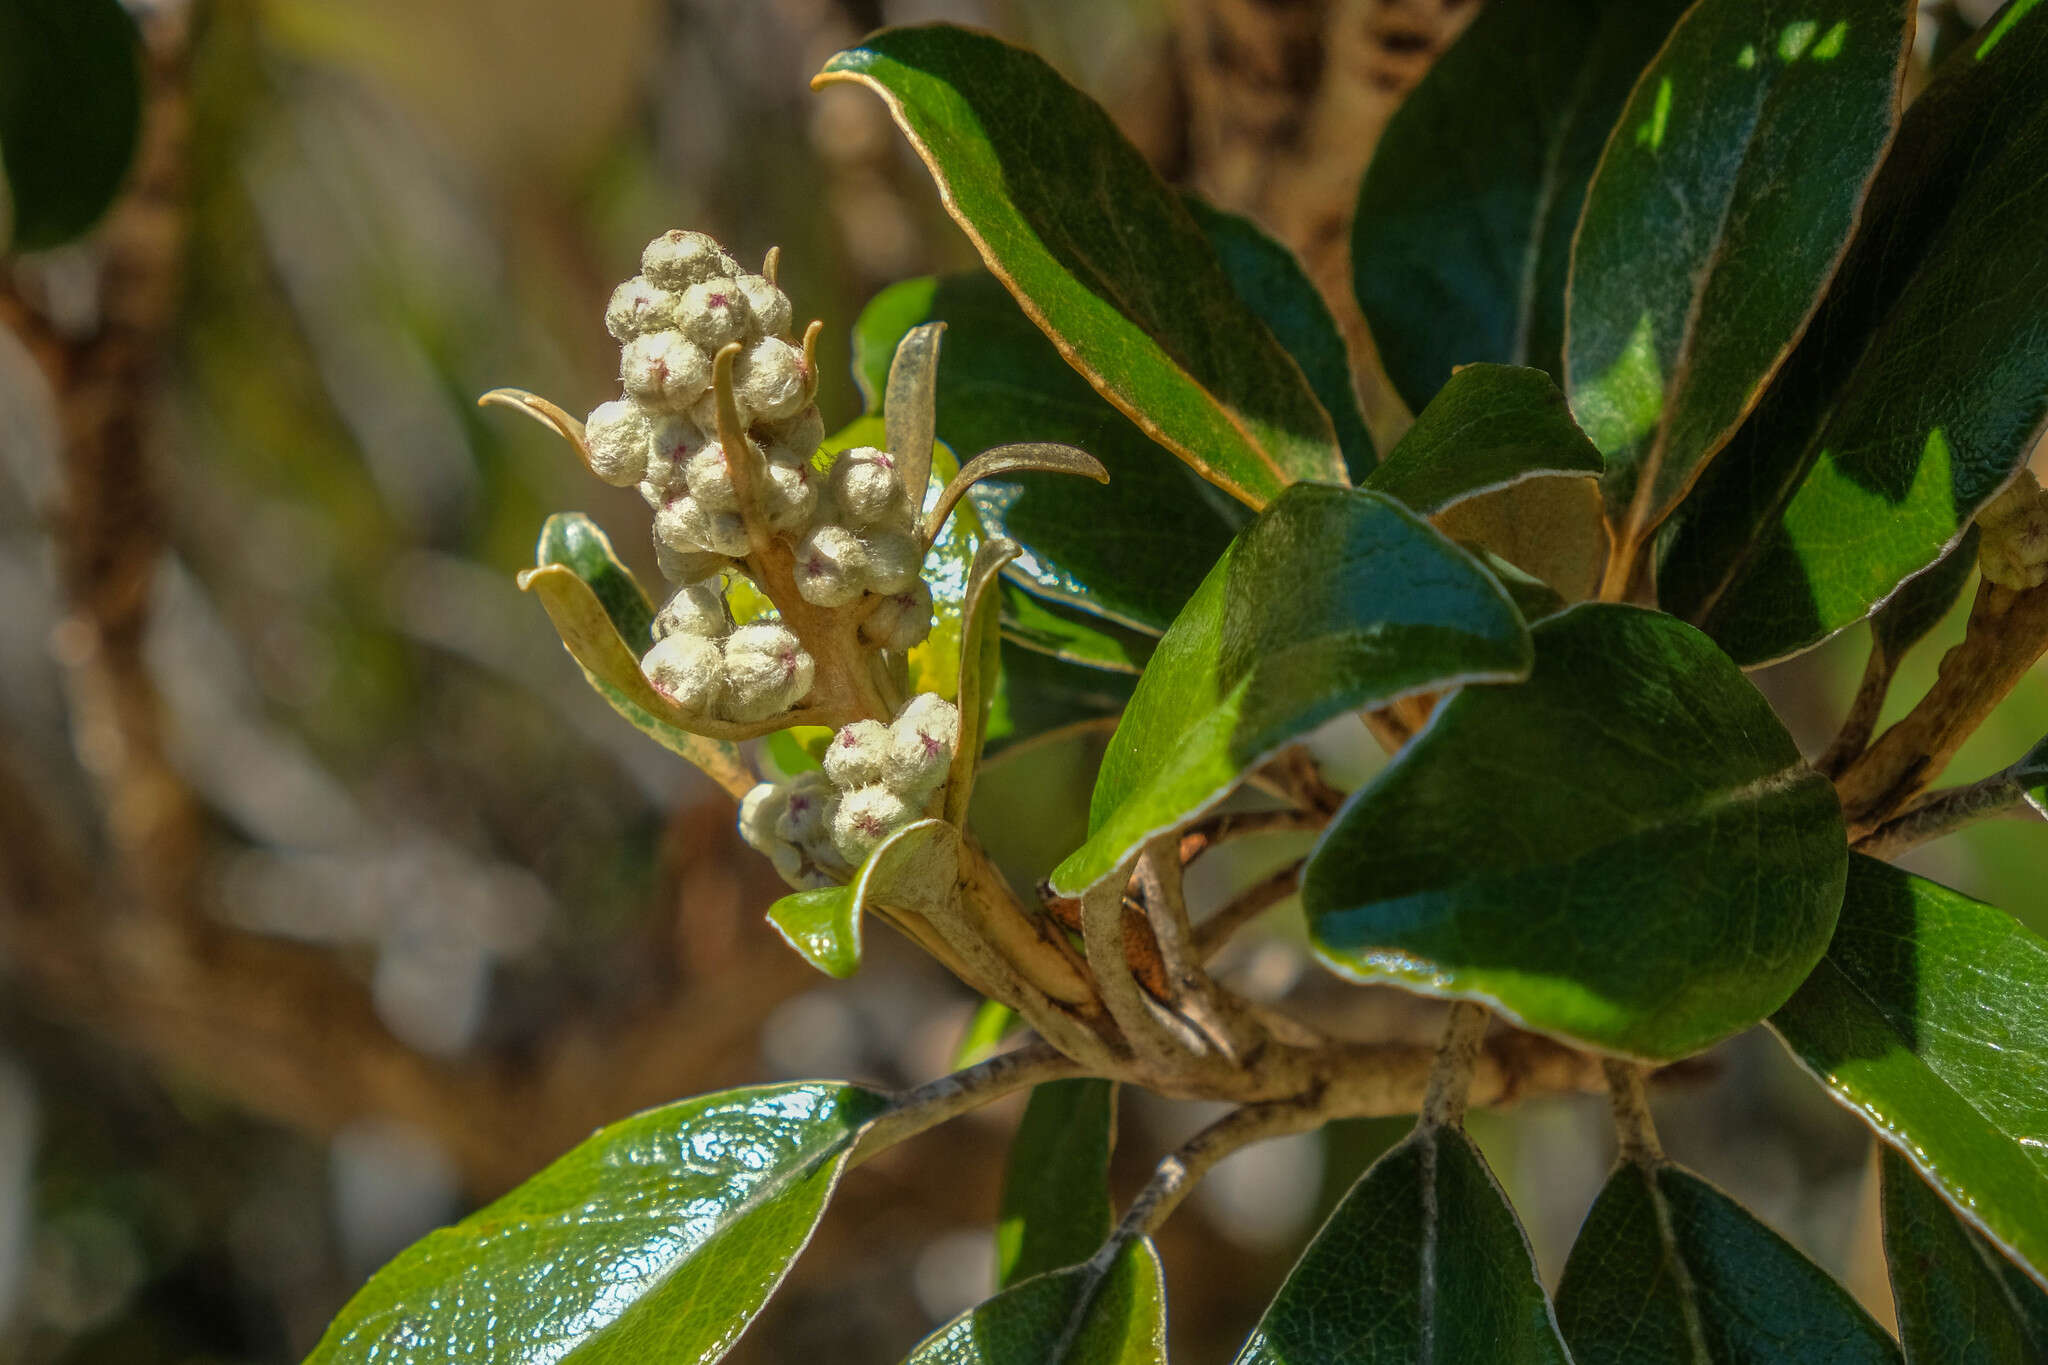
(368, 906)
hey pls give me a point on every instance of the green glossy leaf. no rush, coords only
(1927, 1018)
(658, 1238)
(1960, 1302)
(1667, 1270)
(70, 114)
(1270, 279)
(603, 617)
(1330, 601)
(1463, 234)
(1923, 600)
(823, 924)
(1086, 1315)
(1056, 1209)
(1921, 387)
(1490, 427)
(1717, 214)
(1101, 254)
(1422, 1264)
(1066, 635)
(1625, 851)
(1000, 380)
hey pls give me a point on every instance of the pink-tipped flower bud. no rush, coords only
(769, 305)
(868, 489)
(770, 381)
(794, 439)
(616, 437)
(865, 817)
(687, 566)
(856, 754)
(791, 496)
(831, 564)
(709, 475)
(688, 671)
(677, 259)
(683, 523)
(893, 561)
(637, 307)
(714, 313)
(766, 670)
(696, 609)
(806, 818)
(901, 621)
(921, 742)
(665, 370)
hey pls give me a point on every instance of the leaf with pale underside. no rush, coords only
(1921, 386)
(1332, 600)
(1489, 428)
(1717, 215)
(1463, 230)
(1959, 1300)
(1423, 1261)
(1056, 1210)
(1088, 1314)
(658, 1238)
(1625, 851)
(1668, 1270)
(1101, 254)
(823, 924)
(1927, 1019)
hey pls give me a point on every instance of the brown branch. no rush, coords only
(1943, 813)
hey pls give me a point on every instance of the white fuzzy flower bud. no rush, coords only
(714, 313)
(868, 490)
(901, 621)
(639, 307)
(766, 670)
(665, 369)
(865, 817)
(683, 523)
(761, 811)
(806, 817)
(688, 671)
(921, 741)
(677, 259)
(794, 439)
(856, 755)
(770, 382)
(831, 564)
(687, 566)
(696, 609)
(791, 495)
(893, 561)
(709, 476)
(769, 305)
(616, 436)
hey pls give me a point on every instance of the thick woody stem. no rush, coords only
(1102, 934)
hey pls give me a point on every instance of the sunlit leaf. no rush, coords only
(1489, 428)
(1959, 1300)
(1086, 1315)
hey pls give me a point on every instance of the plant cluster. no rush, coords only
(1726, 350)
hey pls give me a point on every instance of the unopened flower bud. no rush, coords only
(791, 496)
(831, 564)
(709, 476)
(856, 755)
(696, 609)
(687, 566)
(688, 671)
(769, 305)
(683, 523)
(665, 369)
(869, 490)
(901, 621)
(638, 307)
(865, 817)
(677, 259)
(921, 741)
(893, 561)
(806, 818)
(770, 381)
(794, 440)
(761, 811)
(616, 437)
(713, 313)
(767, 671)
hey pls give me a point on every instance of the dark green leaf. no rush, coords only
(1000, 380)
(1667, 1270)
(1330, 601)
(1422, 1262)
(1086, 1315)
(1056, 1192)
(1626, 850)
(70, 112)
(1718, 212)
(1042, 695)
(658, 1238)
(1920, 388)
(1269, 278)
(1927, 1017)
(1101, 254)
(1960, 1302)
(1491, 426)
(1463, 233)
(1066, 635)
(823, 924)
(1921, 601)
(574, 541)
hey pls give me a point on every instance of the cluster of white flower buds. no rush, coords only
(821, 825)
(851, 531)
(2013, 549)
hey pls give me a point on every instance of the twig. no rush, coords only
(1208, 833)
(1457, 1056)
(1945, 812)
(948, 1097)
(1633, 1129)
(1149, 1036)
(1177, 1175)
(1853, 738)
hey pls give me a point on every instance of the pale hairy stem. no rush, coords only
(1191, 992)
(962, 1092)
(1102, 933)
(1216, 830)
(1634, 1132)
(1945, 812)
(1177, 1175)
(1457, 1056)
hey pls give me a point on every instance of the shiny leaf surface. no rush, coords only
(1330, 601)
(1667, 1270)
(658, 1238)
(1463, 234)
(1922, 384)
(1959, 1301)
(1100, 253)
(1423, 1261)
(1625, 851)
(1086, 1315)
(70, 114)
(1056, 1209)
(1491, 426)
(1716, 216)
(1927, 1018)
(1040, 625)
